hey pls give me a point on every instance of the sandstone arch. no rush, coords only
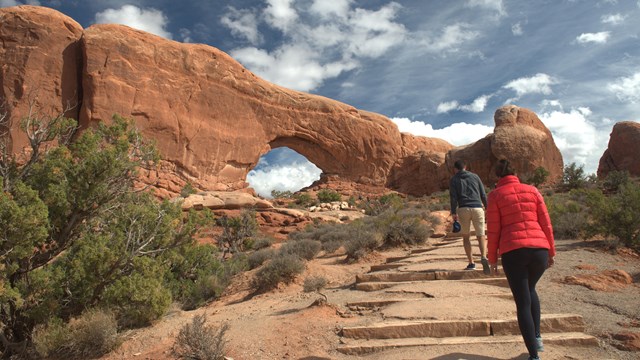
(212, 119)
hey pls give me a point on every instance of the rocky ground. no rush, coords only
(285, 324)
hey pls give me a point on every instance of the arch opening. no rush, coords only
(282, 169)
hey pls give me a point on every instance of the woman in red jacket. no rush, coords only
(519, 230)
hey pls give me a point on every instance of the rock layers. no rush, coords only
(212, 119)
(622, 152)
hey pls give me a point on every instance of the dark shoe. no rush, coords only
(470, 267)
(539, 344)
(485, 266)
(534, 358)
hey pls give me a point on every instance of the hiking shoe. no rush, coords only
(485, 266)
(534, 358)
(470, 267)
(539, 344)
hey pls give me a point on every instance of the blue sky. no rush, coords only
(436, 68)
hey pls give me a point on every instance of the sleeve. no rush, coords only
(454, 197)
(545, 223)
(483, 194)
(493, 229)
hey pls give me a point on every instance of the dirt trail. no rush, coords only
(284, 325)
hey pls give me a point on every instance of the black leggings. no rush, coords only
(523, 268)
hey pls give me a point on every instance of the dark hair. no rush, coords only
(459, 164)
(503, 168)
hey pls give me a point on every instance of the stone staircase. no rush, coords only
(424, 300)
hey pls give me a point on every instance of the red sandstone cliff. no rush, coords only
(212, 119)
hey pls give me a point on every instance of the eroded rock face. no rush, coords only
(40, 65)
(622, 152)
(212, 119)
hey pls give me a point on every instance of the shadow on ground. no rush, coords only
(461, 356)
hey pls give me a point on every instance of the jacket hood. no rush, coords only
(464, 174)
(509, 179)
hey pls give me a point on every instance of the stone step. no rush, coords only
(370, 304)
(422, 276)
(460, 328)
(363, 347)
(383, 267)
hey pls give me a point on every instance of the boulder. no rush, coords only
(223, 200)
(622, 151)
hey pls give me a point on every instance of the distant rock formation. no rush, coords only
(622, 152)
(212, 119)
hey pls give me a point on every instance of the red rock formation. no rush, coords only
(212, 119)
(622, 152)
(519, 137)
(39, 65)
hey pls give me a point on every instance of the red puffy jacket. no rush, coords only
(517, 218)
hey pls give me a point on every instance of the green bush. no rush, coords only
(314, 283)
(615, 179)
(281, 269)
(618, 215)
(187, 190)
(258, 257)
(400, 228)
(327, 196)
(237, 232)
(276, 194)
(305, 249)
(362, 239)
(573, 177)
(262, 242)
(374, 207)
(303, 200)
(539, 176)
(200, 341)
(569, 215)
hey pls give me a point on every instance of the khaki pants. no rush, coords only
(468, 215)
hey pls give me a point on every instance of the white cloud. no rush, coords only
(7, 3)
(598, 38)
(445, 107)
(537, 84)
(326, 8)
(289, 177)
(478, 105)
(627, 89)
(280, 14)
(577, 137)
(186, 35)
(452, 37)
(516, 29)
(613, 19)
(314, 52)
(149, 20)
(242, 23)
(457, 134)
(489, 4)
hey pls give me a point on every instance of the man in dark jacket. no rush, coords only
(468, 201)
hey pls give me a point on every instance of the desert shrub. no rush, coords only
(281, 269)
(314, 283)
(617, 215)
(92, 335)
(332, 246)
(262, 242)
(200, 341)
(361, 240)
(194, 276)
(237, 232)
(615, 179)
(258, 257)
(77, 235)
(573, 177)
(327, 196)
(187, 190)
(302, 200)
(374, 207)
(400, 228)
(538, 177)
(276, 194)
(305, 249)
(569, 215)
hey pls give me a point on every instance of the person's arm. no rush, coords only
(493, 231)
(483, 194)
(454, 199)
(545, 223)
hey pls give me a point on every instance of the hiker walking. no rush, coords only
(468, 200)
(519, 230)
